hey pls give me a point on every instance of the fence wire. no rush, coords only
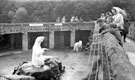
(98, 62)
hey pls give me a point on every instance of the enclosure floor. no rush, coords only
(75, 63)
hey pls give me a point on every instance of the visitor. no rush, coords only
(118, 18)
(109, 17)
(89, 42)
(76, 19)
(81, 20)
(72, 19)
(102, 16)
(102, 24)
(58, 20)
(63, 19)
(115, 31)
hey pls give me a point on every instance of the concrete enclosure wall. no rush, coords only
(11, 41)
(33, 35)
(82, 35)
(56, 35)
(62, 39)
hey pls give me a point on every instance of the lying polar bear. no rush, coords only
(38, 56)
(77, 46)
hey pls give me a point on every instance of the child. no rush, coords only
(115, 31)
(102, 24)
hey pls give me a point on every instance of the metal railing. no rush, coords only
(99, 67)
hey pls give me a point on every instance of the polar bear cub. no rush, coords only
(77, 46)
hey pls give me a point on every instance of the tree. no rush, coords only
(11, 14)
(48, 11)
(20, 15)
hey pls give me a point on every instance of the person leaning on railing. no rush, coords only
(115, 31)
(112, 28)
(102, 24)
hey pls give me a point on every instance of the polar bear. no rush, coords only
(37, 52)
(77, 46)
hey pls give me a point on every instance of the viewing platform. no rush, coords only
(9, 28)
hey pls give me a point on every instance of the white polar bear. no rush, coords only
(37, 52)
(77, 46)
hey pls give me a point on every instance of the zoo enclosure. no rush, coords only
(66, 33)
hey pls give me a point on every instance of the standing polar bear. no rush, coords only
(38, 57)
(77, 46)
(37, 52)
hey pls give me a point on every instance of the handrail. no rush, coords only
(113, 60)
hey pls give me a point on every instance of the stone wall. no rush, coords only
(29, 31)
(119, 62)
(108, 59)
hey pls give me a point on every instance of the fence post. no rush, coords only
(25, 41)
(51, 39)
(72, 38)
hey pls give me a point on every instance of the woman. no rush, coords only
(118, 18)
(109, 18)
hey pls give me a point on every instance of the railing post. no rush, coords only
(12, 41)
(51, 39)
(72, 38)
(46, 40)
(25, 41)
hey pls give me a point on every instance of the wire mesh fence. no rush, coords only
(98, 62)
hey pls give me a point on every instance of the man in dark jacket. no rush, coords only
(102, 24)
(115, 31)
(126, 29)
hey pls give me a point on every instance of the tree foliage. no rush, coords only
(20, 15)
(48, 11)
